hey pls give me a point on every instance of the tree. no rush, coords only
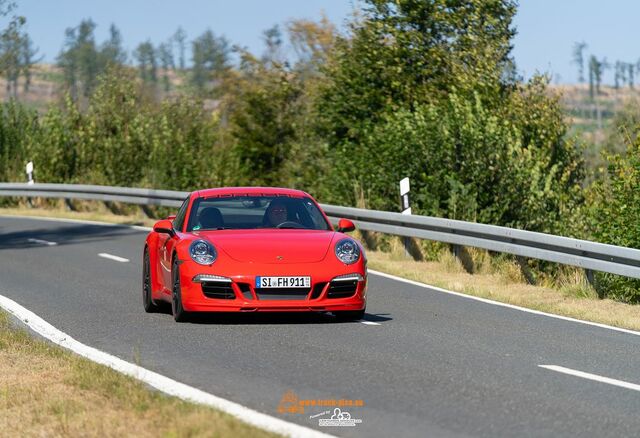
(312, 42)
(11, 46)
(210, 59)
(615, 216)
(596, 70)
(262, 118)
(272, 38)
(578, 58)
(630, 74)
(180, 37)
(79, 58)
(619, 74)
(28, 59)
(406, 52)
(165, 54)
(145, 56)
(422, 88)
(111, 50)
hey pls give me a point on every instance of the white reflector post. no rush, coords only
(405, 207)
(404, 196)
(29, 170)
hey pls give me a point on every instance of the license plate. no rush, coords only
(282, 282)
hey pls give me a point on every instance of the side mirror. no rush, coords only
(345, 225)
(170, 217)
(164, 226)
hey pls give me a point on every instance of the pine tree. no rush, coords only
(145, 56)
(165, 53)
(180, 37)
(210, 59)
(28, 59)
(11, 46)
(578, 58)
(272, 38)
(79, 59)
(112, 51)
(618, 78)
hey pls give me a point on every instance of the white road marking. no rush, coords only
(594, 377)
(497, 303)
(42, 242)
(362, 321)
(158, 381)
(113, 257)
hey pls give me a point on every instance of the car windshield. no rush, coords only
(254, 212)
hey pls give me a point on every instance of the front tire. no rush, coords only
(350, 315)
(179, 314)
(148, 303)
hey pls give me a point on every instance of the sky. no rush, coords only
(547, 29)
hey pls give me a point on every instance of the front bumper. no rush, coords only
(238, 292)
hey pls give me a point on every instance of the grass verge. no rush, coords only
(48, 391)
(571, 295)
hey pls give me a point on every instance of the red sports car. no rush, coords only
(253, 249)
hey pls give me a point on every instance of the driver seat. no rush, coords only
(210, 218)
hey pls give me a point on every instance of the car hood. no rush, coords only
(271, 246)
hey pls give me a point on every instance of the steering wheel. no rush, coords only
(289, 224)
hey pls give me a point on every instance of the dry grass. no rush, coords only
(47, 391)
(85, 210)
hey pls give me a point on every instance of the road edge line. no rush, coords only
(156, 380)
(501, 304)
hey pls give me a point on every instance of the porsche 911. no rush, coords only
(253, 249)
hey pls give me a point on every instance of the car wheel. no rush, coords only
(351, 315)
(179, 314)
(150, 306)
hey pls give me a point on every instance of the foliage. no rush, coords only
(145, 55)
(262, 119)
(121, 139)
(406, 53)
(615, 213)
(210, 59)
(422, 89)
(82, 61)
(17, 54)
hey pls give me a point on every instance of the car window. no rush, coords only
(179, 220)
(255, 212)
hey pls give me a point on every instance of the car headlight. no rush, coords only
(347, 251)
(202, 252)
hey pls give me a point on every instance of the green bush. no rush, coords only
(615, 214)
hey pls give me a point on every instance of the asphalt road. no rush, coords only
(434, 365)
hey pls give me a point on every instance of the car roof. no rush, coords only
(268, 191)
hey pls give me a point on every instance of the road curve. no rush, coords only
(434, 364)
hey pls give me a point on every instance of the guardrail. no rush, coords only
(581, 253)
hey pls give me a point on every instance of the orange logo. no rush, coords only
(291, 404)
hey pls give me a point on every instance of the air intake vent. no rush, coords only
(246, 290)
(218, 290)
(342, 289)
(317, 290)
(292, 293)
